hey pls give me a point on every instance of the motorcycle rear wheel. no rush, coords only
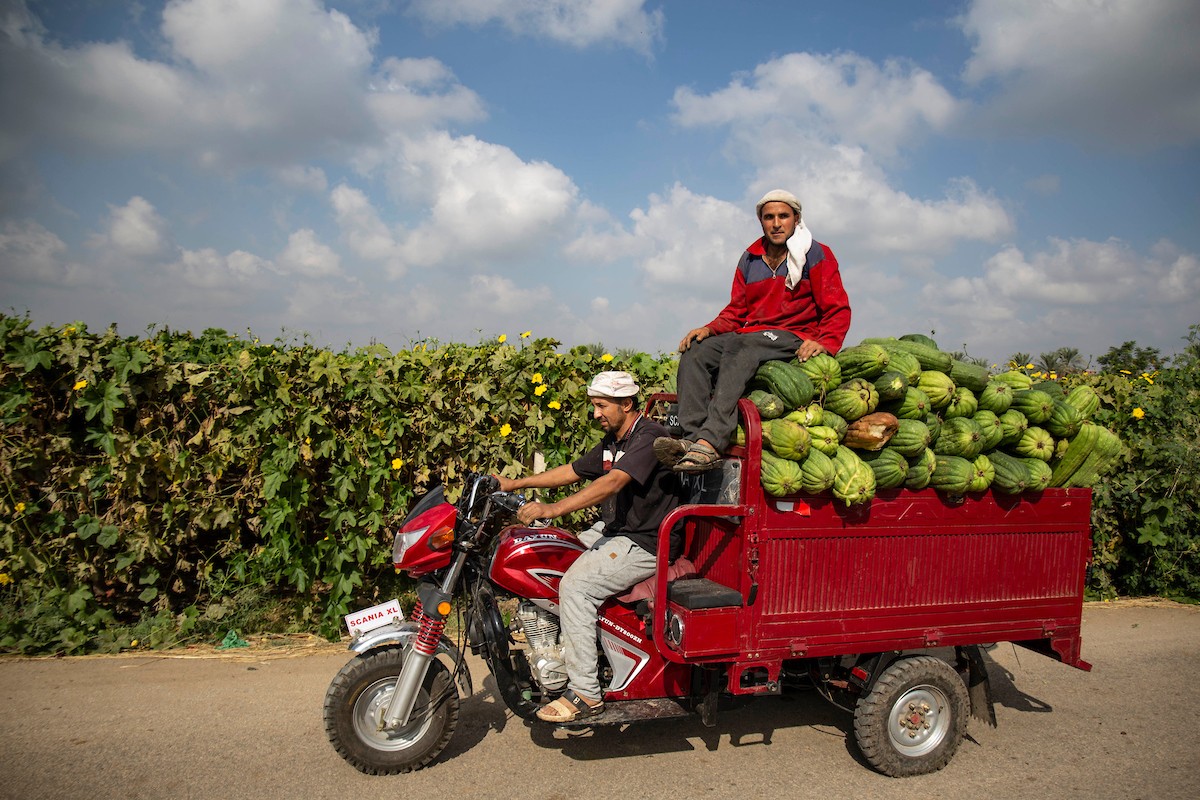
(357, 698)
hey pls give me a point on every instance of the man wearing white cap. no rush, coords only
(635, 493)
(787, 300)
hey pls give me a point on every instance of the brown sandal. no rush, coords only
(699, 458)
(568, 708)
(668, 450)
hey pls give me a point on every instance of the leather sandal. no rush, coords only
(668, 450)
(568, 708)
(699, 458)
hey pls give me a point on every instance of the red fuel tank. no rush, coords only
(530, 562)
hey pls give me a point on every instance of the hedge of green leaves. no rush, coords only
(156, 481)
(163, 475)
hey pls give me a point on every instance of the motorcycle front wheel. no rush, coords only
(357, 699)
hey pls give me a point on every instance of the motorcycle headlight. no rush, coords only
(404, 541)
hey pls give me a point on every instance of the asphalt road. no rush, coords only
(248, 725)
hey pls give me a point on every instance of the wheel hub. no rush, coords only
(920, 721)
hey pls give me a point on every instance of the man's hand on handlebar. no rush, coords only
(533, 510)
(693, 336)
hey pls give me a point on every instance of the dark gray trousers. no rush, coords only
(713, 374)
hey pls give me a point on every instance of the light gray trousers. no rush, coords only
(611, 565)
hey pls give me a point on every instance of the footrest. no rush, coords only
(698, 593)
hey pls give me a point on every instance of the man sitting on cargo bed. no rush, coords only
(787, 299)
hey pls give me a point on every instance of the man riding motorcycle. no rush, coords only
(635, 493)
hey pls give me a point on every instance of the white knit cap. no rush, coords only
(777, 196)
(613, 384)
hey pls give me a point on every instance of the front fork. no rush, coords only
(431, 617)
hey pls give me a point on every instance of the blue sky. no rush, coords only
(1014, 175)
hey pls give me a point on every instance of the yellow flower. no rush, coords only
(69, 329)
(505, 429)
(79, 384)
(526, 334)
(1126, 372)
(20, 508)
(1053, 376)
(4, 579)
(554, 404)
(1146, 377)
(607, 357)
(308, 440)
(134, 643)
(541, 390)
(537, 378)
(502, 338)
(397, 463)
(1029, 366)
(1138, 413)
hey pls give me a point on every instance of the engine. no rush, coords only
(545, 649)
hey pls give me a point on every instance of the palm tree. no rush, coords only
(1019, 360)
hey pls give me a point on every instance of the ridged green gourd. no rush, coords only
(786, 381)
(816, 472)
(853, 480)
(1034, 404)
(739, 437)
(780, 476)
(1076, 453)
(1065, 420)
(934, 423)
(1035, 442)
(1018, 380)
(891, 386)
(993, 430)
(1052, 388)
(786, 439)
(889, 466)
(906, 364)
(853, 399)
(831, 420)
(982, 474)
(920, 470)
(1014, 424)
(1011, 474)
(824, 438)
(914, 405)
(919, 338)
(1039, 473)
(911, 437)
(1085, 400)
(996, 398)
(808, 416)
(972, 376)
(769, 406)
(960, 436)
(823, 370)
(951, 474)
(862, 361)
(1106, 452)
(962, 404)
(930, 358)
(938, 386)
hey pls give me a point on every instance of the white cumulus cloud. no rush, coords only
(305, 255)
(1117, 72)
(580, 23)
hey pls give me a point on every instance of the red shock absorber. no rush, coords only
(416, 612)
(428, 635)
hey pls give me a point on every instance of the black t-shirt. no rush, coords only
(654, 491)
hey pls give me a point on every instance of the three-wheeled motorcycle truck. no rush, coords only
(885, 607)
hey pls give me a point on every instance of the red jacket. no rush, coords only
(817, 308)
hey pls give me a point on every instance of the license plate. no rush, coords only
(374, 617)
